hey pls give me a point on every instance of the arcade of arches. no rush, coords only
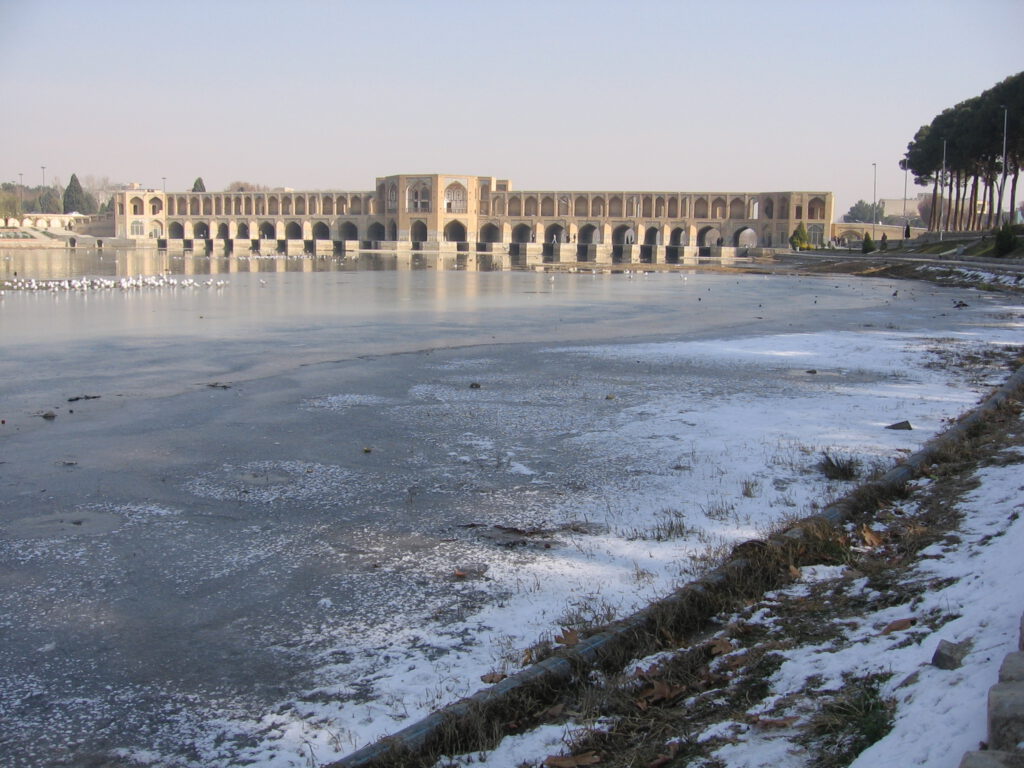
(424, 210)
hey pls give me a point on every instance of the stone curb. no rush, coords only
(699, 598)
(1005, 716)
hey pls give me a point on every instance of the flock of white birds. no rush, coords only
(109, 284)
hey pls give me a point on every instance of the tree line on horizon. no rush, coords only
(960, 154)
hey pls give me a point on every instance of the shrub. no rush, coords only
(869, 244)
(1006, 240)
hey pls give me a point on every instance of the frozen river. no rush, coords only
(231, 515)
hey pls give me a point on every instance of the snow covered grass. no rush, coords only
(835, 669)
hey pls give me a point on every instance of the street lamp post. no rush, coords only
(942, 184)
(21, 194)
(874, 197)
(44, 174)
(164, 180)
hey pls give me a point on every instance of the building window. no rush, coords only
(138, 229)
(455, 199)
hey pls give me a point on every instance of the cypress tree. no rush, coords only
(198, 186)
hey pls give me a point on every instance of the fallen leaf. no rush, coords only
(721, 645)
(460, 574)
(898, 625)
(587, 758)
(568, 637)
(664, 759)
(871, 538)
(493, 677)
(794, 571)
(776, 722)
(553, 712)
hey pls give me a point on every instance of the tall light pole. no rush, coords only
(164, 180)
(44, 174)
(874, 197)
(21, 194)
(942, 184)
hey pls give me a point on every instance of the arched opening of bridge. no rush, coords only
(652, 236)
(587, 234)
(515, 206)
(624, 234)
(530, 206)
(201, 231)
(243, 231)
(156, 230)
(175, 231)
(737, 208)
(580, 207)
(272, 206)
(418, 232)
(356, 207)
(708, 236)
(349, 231)
(745, 238)
(321, 231)
(678, 236)
(300, 206)
(489, 233)
(293, 231)
(268, 231)
(522, 233)
(392, 231)
(222, 231)
(375, 232)
(455, 232)
(555, 233)
(700, 208)
(769, 208)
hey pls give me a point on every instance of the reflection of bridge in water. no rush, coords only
(446, 213)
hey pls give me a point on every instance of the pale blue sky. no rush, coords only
(719, 95)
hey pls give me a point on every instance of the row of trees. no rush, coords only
(969, 188)
(15, 200)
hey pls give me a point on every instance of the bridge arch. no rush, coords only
(597, 206)
(515, 206)
(816, 208)
(737, 208)
(588, 234)
(490, 233)
(418, 232)
(708, 236)
(243, 231)
(522, 233)
(349, 231)
(744, 237)
(677, 236)
(267, 230)
(293, 231)
(700, 208)
(455, 232)
(156, 229)
(622, 234)
(652, 236)
(375, 231)
(554, 233)
(530, 206)
(580, 207)
(455, 199)
(547, 206)
(615, 206)
(222, 231)
(768, 208)
(176, 231)
(201, 231)
(321, 231)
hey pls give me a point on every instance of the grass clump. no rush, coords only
(836, 466)
(851, 722)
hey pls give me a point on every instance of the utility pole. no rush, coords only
(874, 197)
(21, 194)
(942, 185)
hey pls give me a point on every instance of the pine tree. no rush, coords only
(198, 186)
(74, 196)
(799, 240)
